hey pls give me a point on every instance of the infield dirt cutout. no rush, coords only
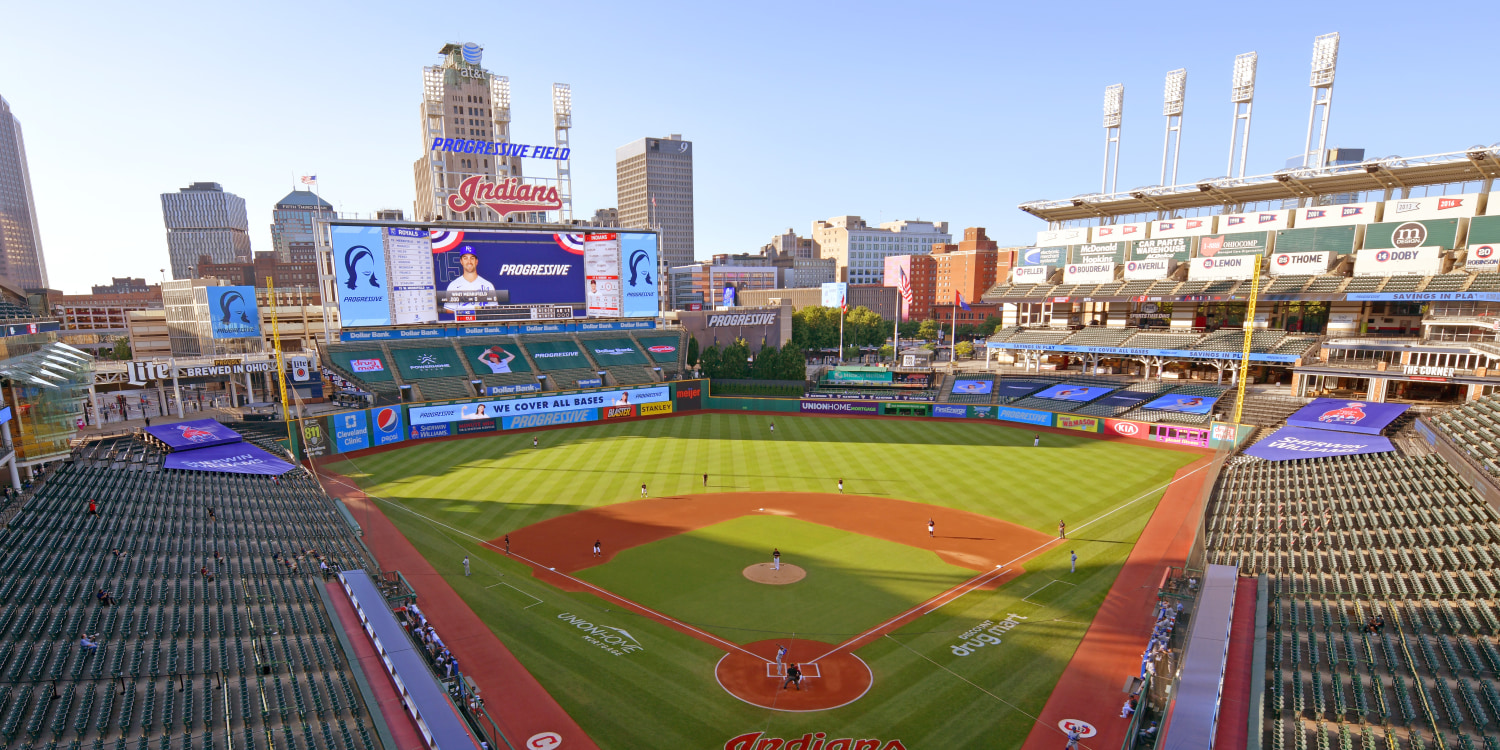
(767, 573)
(834, 676)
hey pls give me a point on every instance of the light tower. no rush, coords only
(1114, 106)
(1242, 96)
(500, 119)
(1325, 58)
(562, 123)
(1171, 107)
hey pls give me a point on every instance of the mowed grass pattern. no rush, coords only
(665, 695)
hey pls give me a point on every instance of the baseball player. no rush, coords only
(773, 427)
(533, 441)
(597, 551)
(1073, 566)
(931, 527)
(1036, 439)
(841, 486)
(1062, 530)
(793, 677)
(466, 566)
(780, 656)
(507, 544)
(643, 489)
(705, 480)
(775, 559)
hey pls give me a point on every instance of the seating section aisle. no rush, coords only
(1475, 428)
(1384, 604)
(618, 355)
(210, 632)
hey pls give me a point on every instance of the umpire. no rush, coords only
(793, 677)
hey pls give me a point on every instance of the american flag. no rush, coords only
(843, 304)
(309, 179)
(905, 286)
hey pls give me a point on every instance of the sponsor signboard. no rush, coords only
(1346, 416)
(314, 437)
(1051, 256)
(1030, 274)
(1125, 351)
(590, 382)
(1183, 403)
(233, 458)
(1416, 261)
(1258, 221)
(423, 431)
(1482, 258)
(1343, 215)
(505, 390)
(424, 415)
(976, 387)
(549, 419)
(434, 362)
(232, 313)
(1089, 273)
(661, 407)
(363, 282)
(386, 425)
(814, 406)
(1099, 252)
(1026, 416)
(1126, 428)
(1290, 443)
(1300, 263)
(1167, 433)
(950, 410)
(1432, 207)
(1174, 248)
(1229, 267)
(1069, 392)
(471, 426)
(1056, 237)
(689, 395)
(1080, 423)
(1423, 296)
(1339, 240)
(638, 271)
(475, 271)
(1119, 232)
(1234, 243)
(1182, 227)
(1159, 268)
(981, 411)
(1409, 234)
(350, 431)
(733, 320)
(835, 293)
(601, 271)
(864, 377)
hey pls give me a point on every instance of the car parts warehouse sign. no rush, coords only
(427, 415)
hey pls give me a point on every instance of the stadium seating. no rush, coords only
(1100, 336)
(1147, 340)
(1233, 340)
(620, 356)
(1040, 336)
(183, 661)
(1475, 429)
(382, 384)
(1289, 284)
(1325, 284)
(949, 396)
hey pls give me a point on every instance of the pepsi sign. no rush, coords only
(385, 425)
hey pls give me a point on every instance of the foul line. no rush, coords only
(1002, 568)
(1028, 600)
(536, 565)
(522, 593)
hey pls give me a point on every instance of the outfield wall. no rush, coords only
(383, 426)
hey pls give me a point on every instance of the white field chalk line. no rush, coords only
(592, 587)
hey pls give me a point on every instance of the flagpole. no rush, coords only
(953, 342)
(842, 305)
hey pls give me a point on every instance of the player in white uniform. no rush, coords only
(470, 281)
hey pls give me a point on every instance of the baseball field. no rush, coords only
(667, 637)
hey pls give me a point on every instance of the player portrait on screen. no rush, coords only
(469, 281)
(497, 359)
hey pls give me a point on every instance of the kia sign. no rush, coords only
(1231, 267)
(1417, 261)
(1300, 263)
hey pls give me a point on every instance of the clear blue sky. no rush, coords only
(799, 111)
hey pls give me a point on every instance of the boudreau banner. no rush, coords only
(1347, 416)
(1295, 442)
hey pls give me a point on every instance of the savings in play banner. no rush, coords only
(1183, 403)
(1068, 392)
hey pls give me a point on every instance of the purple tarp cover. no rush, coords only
(197, 433)
(1366, 417)
(1295, 442)
(237, 458)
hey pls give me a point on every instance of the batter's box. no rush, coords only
(778, 671)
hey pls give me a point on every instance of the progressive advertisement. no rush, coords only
(426, 415)
(362, 282)
(232, 312)
(1416, 261)
(638, 269)
(601, 268)
(1025, 416)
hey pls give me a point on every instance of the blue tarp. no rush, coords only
(197, 433)
(234, 458)
(1347, 416)
(1184, 403)
(1070, 392)
(1019, 388)
(1296, 442)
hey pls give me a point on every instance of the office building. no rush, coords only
(285, 276)
(292, 223)
(921, 277)
(119, 285)
(605, 217)
(21, 263)
(969, 267)
(859, 250)
(654, 189)
(105, 316)
(202, 219)
(188, 315)
(700, 286)
(390, 214)
(881, 300)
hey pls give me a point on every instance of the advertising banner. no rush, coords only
(982, 411)
(1300, 263)
(1184, 403)
(1408, 234)
(232, 312)
(689, 395)
(1050, 256)
(1347, 416)
(1026, 416)
(1266, 221)
(196, 433)
(350, 431)
(973, 387)
(436, 429)
(879, 376)
(611, 352)
(557, 355)
(474, 270)
(834, 293)
(661, 348)
(1290, 443)
(1432, 207)
(1238, 243)
(661, 407)
(1126, 428)
(1062, 237)
(1482, 259)
(549, 419)
(1122, 232)
(1030, 274)
(314, 437)
(638, 276)
(1068, 392)
(838, 407)
(952, 411)
(363, 284)
(473, 426)
(1328, 216)
(601, 269)
(505, 390)
(387, 425)
(436, 362)
(496, 359)
(1175, 248)
(1182, 227)
(424, 415)
(590, 382)
(1141, 270)
(1340, 240)
(1089, 273)
(236, 458)
(1230, 267)
(617, 412)
(1168, 433)
(1080, 423)
(1417, 261)
(1100, 252)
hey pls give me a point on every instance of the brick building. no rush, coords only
(286, 276)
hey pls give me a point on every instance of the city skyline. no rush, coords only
(984, 131)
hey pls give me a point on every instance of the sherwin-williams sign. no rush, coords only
(1296, 442)
(1237, 243)
(1409, 234)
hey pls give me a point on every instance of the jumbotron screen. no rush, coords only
(399, 275)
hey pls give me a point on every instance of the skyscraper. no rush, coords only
(21, 261)
(654, 187)
(292, 226)
(202, 219)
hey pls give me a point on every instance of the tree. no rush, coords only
(964, 349)
(709, 361)
(692, 352)
(864, 327)
(966, 331)
(887, 350)
(792, 364)
(909, 329)
(766, 365)
(928, 330)
(990, 325)
(733, 364)
(121, 350)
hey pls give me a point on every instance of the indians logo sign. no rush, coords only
(809, 741)
(504, 197)
(1350, 413)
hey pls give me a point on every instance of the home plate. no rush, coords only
(779, 670)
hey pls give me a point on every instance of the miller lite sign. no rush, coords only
(141, 373)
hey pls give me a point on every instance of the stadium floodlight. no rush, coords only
(562, 100)
(1171, 107)
(1242, 97)
(1324, 60)
(562, 125)
(1114, 109)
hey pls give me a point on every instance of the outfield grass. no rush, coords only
(665, 695)
(854, 582)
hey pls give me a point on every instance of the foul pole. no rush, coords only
(1239, 398)
(280, 366)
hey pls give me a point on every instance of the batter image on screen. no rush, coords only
(497, 359)
(470, 286)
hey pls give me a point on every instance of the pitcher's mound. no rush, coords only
(763, 573)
